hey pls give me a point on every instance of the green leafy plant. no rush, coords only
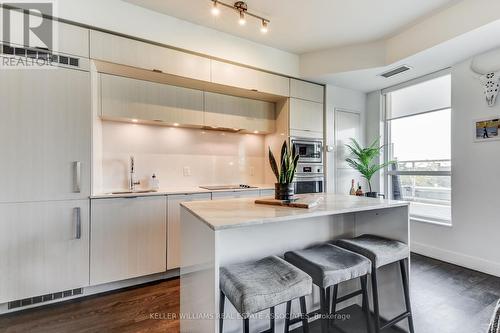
(363, 159)
(289, 160)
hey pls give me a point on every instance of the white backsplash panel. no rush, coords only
(179, 156)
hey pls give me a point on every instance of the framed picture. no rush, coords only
(487, 129)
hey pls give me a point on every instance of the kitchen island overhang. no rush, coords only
(218, 233)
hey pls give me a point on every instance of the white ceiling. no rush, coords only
(301, 26)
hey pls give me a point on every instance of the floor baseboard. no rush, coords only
(456, 258)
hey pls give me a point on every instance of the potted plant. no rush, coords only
(284, 175)
(363, 161)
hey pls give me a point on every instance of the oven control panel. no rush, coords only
(309, 169)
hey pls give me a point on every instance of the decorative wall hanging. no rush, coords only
(487, 129)
(491, 83)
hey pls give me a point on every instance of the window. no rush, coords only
(418, 128)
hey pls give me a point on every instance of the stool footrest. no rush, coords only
(395, 320)
(349, 296)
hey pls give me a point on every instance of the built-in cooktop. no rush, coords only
(226, 187)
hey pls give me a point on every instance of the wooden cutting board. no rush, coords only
(303, 202)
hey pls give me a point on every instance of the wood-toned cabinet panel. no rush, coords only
(44, 248)
(128, 238)
(251, 79)
(174, 226)
(125, 98)
(45, 134)
(306, 115)
(126, 51)
(306, 90)
(237, 112)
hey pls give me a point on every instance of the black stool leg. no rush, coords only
(334, 303)
(366, 308)
(304, 315)
(287, 316)
(221, 311)
(271, 319)
(375, 299)
(246, 325)
(323, 310)
(406, 289)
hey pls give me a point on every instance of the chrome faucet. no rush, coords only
(133, 181)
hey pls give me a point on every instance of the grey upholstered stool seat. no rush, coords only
(380, 251)
(259, 285)
(330, 265)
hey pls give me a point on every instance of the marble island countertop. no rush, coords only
(176, 190)
(234, 213)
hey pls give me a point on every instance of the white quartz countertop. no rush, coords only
(235, 213)
(179, 190)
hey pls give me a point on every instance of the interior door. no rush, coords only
(347, 126)
(44, 248)
(45, 134)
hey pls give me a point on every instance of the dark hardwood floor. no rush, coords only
(445, 299)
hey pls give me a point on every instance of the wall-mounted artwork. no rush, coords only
(487, 129)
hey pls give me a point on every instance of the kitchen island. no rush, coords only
(218, 233)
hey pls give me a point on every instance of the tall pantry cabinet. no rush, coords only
(45, 154)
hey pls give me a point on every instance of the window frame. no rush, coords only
(387, 174)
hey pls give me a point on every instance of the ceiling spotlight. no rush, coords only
(265, 27)
(242, 20)
(215, 8)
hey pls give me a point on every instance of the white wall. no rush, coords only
(212, 157)
(346, 99)
(122, 17)
(473, 240)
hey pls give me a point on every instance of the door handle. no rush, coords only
(77, 176)
(78, 218)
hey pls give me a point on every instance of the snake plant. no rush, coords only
(289, 159)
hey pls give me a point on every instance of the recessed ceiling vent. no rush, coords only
(395, 71)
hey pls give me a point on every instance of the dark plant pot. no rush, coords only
(371, 194)
(284, 191)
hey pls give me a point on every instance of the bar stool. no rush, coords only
(329, 265)
(259, 285)
(382, 252)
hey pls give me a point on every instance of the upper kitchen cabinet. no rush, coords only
(245, 114)
(130, 52)
(44, 247)
(306, 118)
(249, 79)
(45, 134)
(306, 90)
(125, 99)
(68, 39)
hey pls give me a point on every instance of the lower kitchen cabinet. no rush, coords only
(44, 248)
(128, 238)
(235, 194)
(174, 225)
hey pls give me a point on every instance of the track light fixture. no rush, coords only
(242, 8)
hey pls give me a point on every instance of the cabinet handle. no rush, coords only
(77, 174)
(78, 217)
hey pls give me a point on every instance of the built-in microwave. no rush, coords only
(309, 184)
(309, 150)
